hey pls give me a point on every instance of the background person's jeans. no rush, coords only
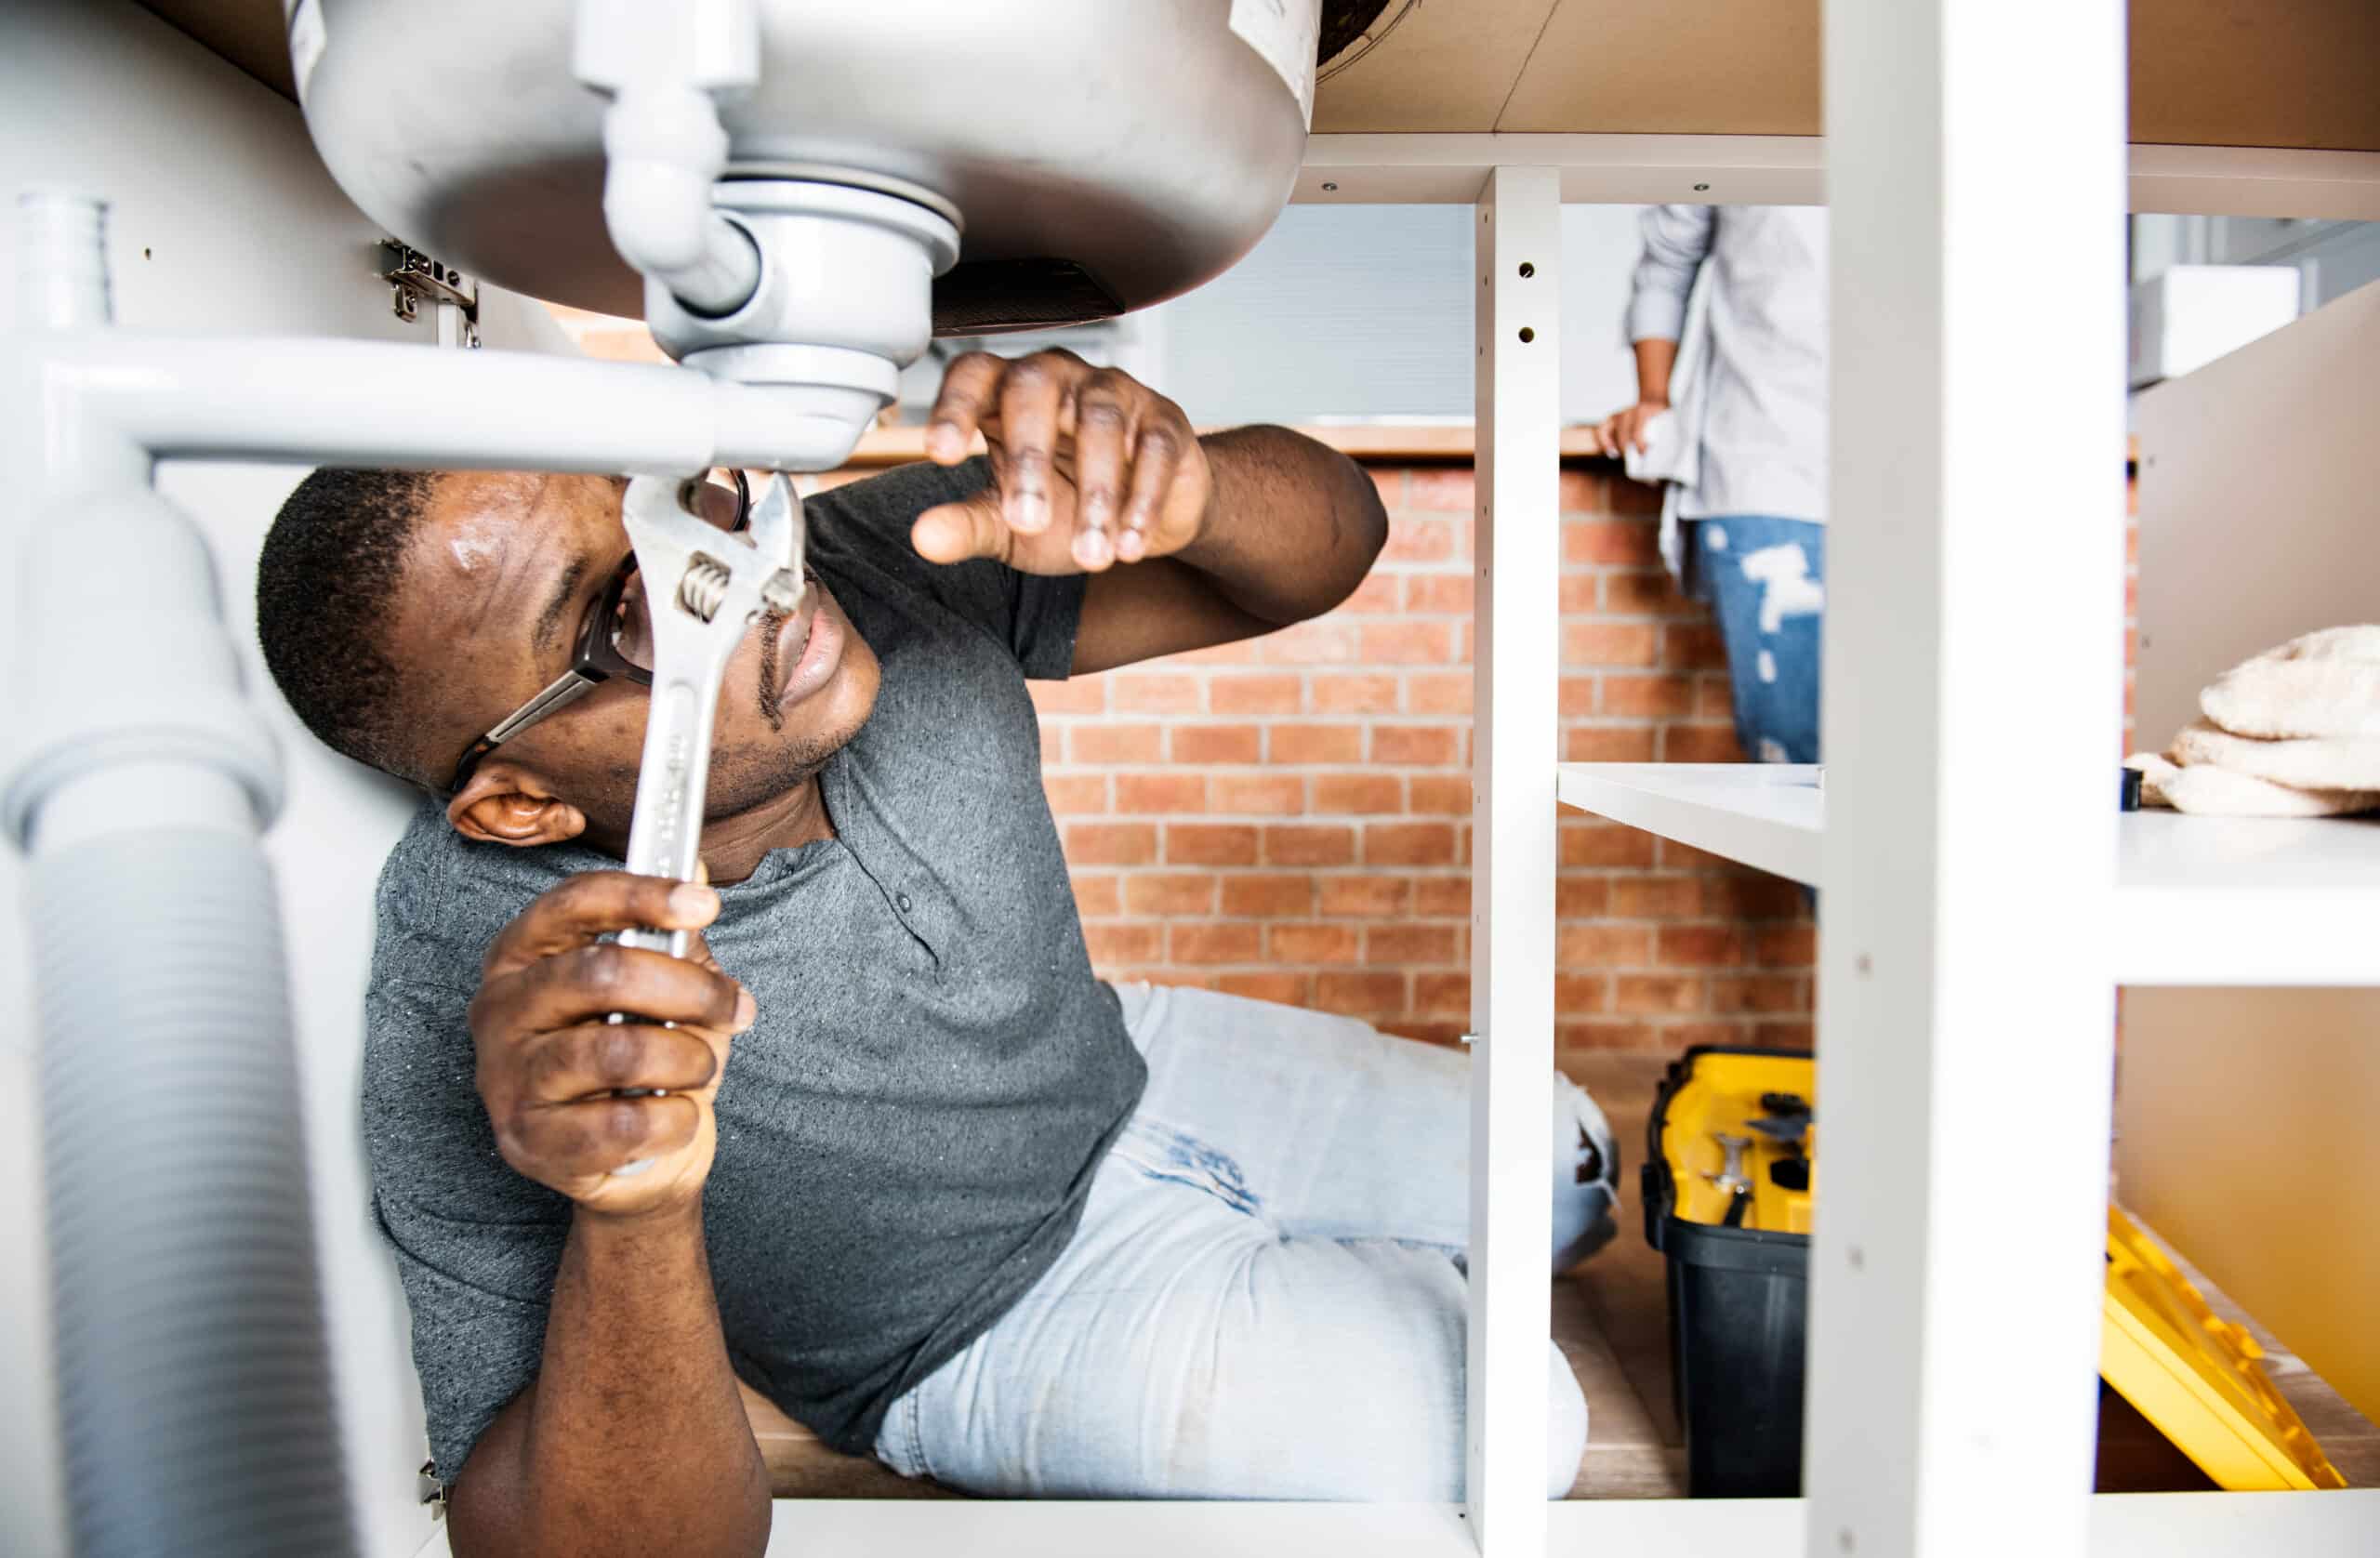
(1765, 580)
(1264, 1300)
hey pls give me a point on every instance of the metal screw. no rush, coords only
(1528, 269)
(1328, 187)
(1528, 335)
(1700, 188)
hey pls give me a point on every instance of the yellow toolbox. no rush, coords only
(1729, 1183)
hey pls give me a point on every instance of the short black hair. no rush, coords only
(327, 592)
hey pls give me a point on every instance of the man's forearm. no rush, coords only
(1655, 359)
(1294, 524)
(633, 1439)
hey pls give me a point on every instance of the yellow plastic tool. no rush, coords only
(2195, 1375)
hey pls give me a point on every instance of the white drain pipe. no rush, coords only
(664, 69)
(192, 1367)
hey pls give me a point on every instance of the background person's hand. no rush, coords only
(552, 1072)
(1625, 430)
(1089, 467)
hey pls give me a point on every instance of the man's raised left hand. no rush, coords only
(1089, 467)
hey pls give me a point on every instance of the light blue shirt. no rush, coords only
(1753, 388)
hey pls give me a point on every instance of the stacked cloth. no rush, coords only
(2293, 732)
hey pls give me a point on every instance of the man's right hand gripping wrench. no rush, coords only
(575, 1096)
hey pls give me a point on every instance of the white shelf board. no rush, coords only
(2247, 899)
(2327, 1524)
(1768, 815)
(2198, 899)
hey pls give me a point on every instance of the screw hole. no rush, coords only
(1528, 335)
(1700, 189)
(1328, 187)
(1528, 269)
(144, 254)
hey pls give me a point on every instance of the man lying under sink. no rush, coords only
(903, 1163)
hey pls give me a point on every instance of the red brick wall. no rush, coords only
(1291, 818)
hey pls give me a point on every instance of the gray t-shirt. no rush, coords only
(907, 1135)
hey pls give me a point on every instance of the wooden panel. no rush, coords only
(2246, 1139)
(2256, 477)
(1744, 67)
(2205, 73)
(1445, 67)
(801, 1466)
(2244, 1125)
(2256, 72)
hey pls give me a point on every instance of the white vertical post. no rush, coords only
(1973, 696)
(1518, 529)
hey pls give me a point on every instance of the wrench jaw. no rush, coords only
(780, 532)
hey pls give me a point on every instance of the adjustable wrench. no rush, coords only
(703, 587)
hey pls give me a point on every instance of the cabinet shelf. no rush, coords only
(2198, 899)
(1767, 815)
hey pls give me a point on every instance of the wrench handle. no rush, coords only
(666, 830)
(674, 942)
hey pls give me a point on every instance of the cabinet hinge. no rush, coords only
(415, 278)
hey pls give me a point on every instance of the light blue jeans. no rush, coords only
(1765, 580)
(1265, 1298)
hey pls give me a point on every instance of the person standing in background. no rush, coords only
(1743, 450)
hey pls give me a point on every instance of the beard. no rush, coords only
(772, 707)
(753, 772)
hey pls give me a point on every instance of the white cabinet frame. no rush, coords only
(1517, 468)
(1974, 653)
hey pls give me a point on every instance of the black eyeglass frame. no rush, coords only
(594, 660)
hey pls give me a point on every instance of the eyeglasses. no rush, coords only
(616, 636)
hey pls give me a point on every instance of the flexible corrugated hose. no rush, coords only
(192, 1366)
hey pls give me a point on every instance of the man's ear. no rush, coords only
(505, 803)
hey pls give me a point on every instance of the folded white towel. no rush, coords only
(2324, 685)
(2219, 792)
(2309, 762)
(2293, 732)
